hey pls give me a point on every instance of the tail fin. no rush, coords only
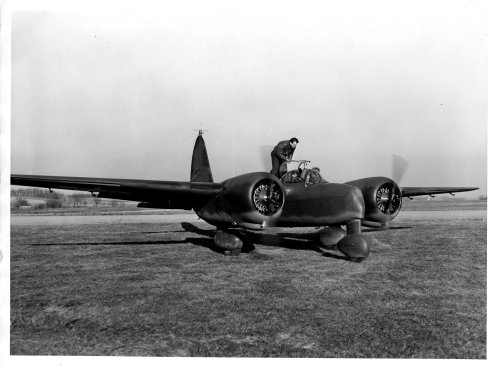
(200, 166)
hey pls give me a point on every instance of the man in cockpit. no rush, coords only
(282, 153)
(311, 176)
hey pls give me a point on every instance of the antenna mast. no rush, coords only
(201, 131)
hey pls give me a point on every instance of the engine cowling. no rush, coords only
(382, 198)
(253, 200)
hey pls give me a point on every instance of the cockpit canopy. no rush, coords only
(309, 176)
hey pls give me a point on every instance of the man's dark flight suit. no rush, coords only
(281, 152)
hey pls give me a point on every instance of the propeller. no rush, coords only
(267, 198)
(392, 192)
(270, 188)
(399, 167)
(265, 157)
(388, 198)
(274, 197)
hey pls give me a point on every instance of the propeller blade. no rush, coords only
(399, 167)
(391, 198)
(265, 157)
(270, 189)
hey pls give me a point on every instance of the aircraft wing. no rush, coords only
(160, 194)
(415, 191)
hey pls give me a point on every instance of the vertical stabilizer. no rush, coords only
(200, 166)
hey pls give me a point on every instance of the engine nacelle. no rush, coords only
(382, 198)
(253, 201)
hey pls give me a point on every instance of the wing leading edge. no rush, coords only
(161, 194)
(415, 191)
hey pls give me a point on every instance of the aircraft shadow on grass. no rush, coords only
(203, 242)
(295, 241)
(387, 229)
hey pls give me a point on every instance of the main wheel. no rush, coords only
(227, 241)
(355, 247)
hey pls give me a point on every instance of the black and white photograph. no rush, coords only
(247, 179)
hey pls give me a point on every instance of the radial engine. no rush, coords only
(253, 201)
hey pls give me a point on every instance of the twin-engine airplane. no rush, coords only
(259, 200)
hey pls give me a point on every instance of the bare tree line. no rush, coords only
(51, 199)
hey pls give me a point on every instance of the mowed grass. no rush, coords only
(164, 290)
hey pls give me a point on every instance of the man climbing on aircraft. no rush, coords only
(282, 153)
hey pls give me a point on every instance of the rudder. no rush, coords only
(200, 166)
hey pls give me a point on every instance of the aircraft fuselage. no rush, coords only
(321, 204)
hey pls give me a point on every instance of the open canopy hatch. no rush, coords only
(303, 174)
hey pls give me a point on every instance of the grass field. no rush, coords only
(164, 290)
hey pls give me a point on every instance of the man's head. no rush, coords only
(293, 142)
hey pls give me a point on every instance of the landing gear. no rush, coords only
(330, 236)
(354, 245)
(229, 242)
(351, 243)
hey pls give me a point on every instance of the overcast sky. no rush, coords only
(118, 94)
